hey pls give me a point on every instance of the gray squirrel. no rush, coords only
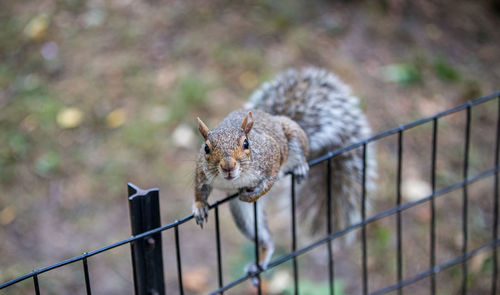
(298, 116)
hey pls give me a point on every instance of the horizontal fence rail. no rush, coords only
(152, 235)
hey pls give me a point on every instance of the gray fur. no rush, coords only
(329, 114)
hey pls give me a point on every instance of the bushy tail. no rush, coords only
(329, 114)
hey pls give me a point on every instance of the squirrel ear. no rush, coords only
(247, 123)
(203, 128)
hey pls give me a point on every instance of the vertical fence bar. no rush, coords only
(256, 241)
(294, 239)
(363, 229)
(399, 229)
(147, 259)
(178, 256)
(217, 239)
(87, 276)
(495, 205)
(465, 199)
(433, 207)
(329, 224)
(35, 284)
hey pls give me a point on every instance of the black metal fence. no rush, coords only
(146, 240)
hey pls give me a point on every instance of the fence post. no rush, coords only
(147, 259)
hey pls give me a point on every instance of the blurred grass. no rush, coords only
(445, 71)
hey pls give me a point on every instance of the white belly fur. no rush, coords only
(231, 186)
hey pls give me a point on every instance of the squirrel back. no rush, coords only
(323, 106)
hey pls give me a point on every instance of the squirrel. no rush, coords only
(298, 116)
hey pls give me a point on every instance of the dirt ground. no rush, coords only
(95, 94)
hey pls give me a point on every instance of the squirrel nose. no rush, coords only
(228, 164)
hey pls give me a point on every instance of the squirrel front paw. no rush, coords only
(300, 172)
(200, 211)
(249, 195)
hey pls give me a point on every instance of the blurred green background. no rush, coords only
(94, 94)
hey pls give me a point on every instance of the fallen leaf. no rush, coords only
(7, 215)
(69, 117)
(37, 27)
(183, 136)
(116, 118)
(415, 189)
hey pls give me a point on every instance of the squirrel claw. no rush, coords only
(200, 211)
(300, 172)
(253, 270)
(299, 178)
(249, 194)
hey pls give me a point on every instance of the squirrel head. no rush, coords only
(227, 149)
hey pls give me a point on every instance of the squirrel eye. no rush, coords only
(245, 144)
(207, 149)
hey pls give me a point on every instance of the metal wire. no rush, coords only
(178, 256)
(432, 255)
(87, 276)
(363, 228)
(219, 255)
(495, 205)
(438, 268)
(371, 219)
(465, 199)
(256, 241)
(294, 238)
(35, 284)
(398, 209)
(329, 225)
(399, 227)
(383, 214)
(404, 127)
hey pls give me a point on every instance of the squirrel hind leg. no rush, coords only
(265, 256)
(243, 216)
